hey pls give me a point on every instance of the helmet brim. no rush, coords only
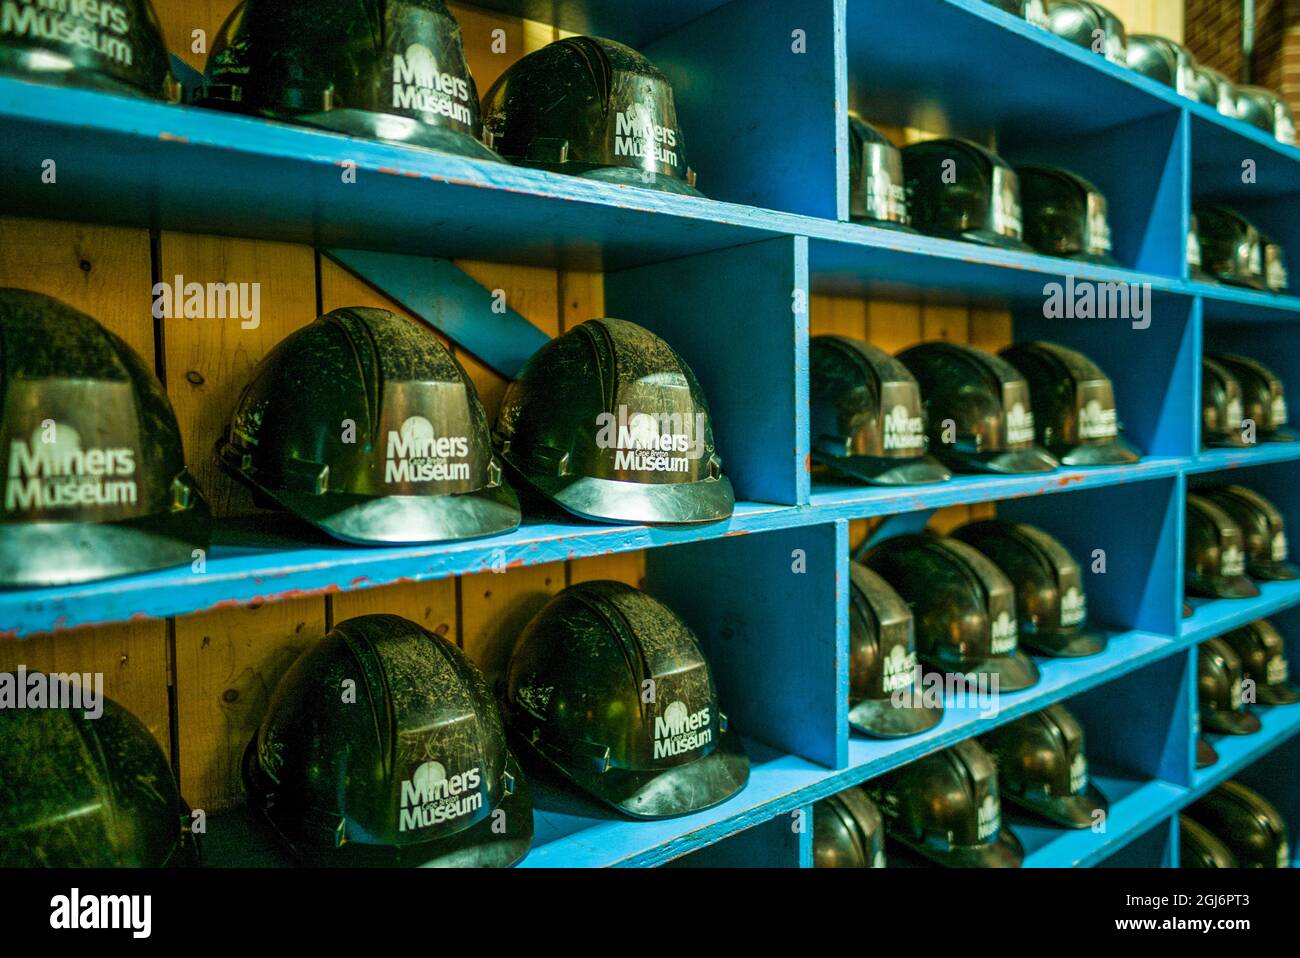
(390, 128)
(406, 520)
(880, 718)
(879, 471)
(1281, 694)
(1005, 851)
(1230, 440)
(1270, 571)
(662, 503)
(990, 238)
(884, 225)
(1115, 452)
(1014, 672)
(1258, 284)
(1282, 434)
(642, 179)
(1224, 587)
(1205, 754)
(39, 554)
(1008, 462)
(1066, 643)
(668, 793)
(1071, 811)
(1097, 259)
(1230, 723)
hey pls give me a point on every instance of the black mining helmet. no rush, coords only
(610, 424)
(1247, 823)
(1221, 406)
(96, 484)
(1262, 651)
(78, 791)
(411, 769)
(1031, 10)
(1073, 403)
(607, 686)
(986, 401)
(848, 831)
(1263, 396)
(1087, 25)
(1164, 61)
(960, 190)
(868, 422)
(1219, 690)
(1064, 215)
(1216, 90)
(415, 466)
(1198, 847)
(1262, 529)
(1216, 553)
(1050, 600)
(390, 70)
(963, 606)
(1042, 767)
(590, 107)
(877, 194)
(946, 807)
(885, 700)
(1268, 111)
(1232, 249)
(116, 47)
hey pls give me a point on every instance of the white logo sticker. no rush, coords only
(1005, 633)
(416, 454)
(432, 796)
(1074, 607)
(1020, 425)
(1098, 422)
(60, 474)
(679, 730)
(419, 86)
(1233, 562)
(903, 430)
(636, 134)
(1078, 774)
(899, 666)
(990, 817)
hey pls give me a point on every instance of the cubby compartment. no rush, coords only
(1273, 775)
(782, 842)
(1157, 848)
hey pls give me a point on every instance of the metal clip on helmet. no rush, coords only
(848, 832)
(610, 424)
(977, 199)
(1042, 767)
(1216, 557)
(882, 661)
(1221, 406)
(1263, 397)
(1074, 405)
(1216, 90)
(87, 792)
(1164, 61)
(1262, 651)
(420, 468)
(1268, 111)
(590, 107)
(1232, 249)
(415, 772)
(575, 693)
(988, 403)
(116, 48)
(1052, 607)
(1247, 823)
(1198, 847)
(963, 606)
(1064, 215)
(877, 194)
(1219, 680)
(96, 484)
(1262, 530)
(392, 71)
(868, 422)
(1085, 24)
(946, 807)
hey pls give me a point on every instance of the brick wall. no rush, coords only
(1212, 30)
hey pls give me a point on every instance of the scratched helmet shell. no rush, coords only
(1263, 397)
(877, 192)
(1263, 531)
(957, 189)
(1216, 553)
(1198, 847)
(1219, 690)
(1247, 823)
(1221, 405)
(848, 831)
(1232, 249)
(1262, 651)
(1064, 215)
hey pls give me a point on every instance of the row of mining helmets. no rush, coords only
(397, 71)
(1232, 533)
(1242, 402)
(1045, 208)
(1245, 667)
(882, 420)
(1226, 247)
(630, 440)
(85, 783)
(1233, 827)
(96, 484)
(1090, 24)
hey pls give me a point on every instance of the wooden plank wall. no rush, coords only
(208, 676)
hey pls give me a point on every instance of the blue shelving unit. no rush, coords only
(727, 280)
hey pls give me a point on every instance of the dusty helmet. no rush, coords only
(1262, 529)
(978, 202)
(1263, 397)
(848, 832)
(1262, 651)
(575, 692)
(416, 465)
(1198, 847)
(1220, 698)
(1064, 215)
(868, 423)
(1216, 553)
(1231, 247)
(412, 770)
(1247, 823)
(1221, 406)
(877, 194)
(96, 484)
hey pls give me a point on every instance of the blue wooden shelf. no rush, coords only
(1278, 723)
(1211, 617)
(1262, 454)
